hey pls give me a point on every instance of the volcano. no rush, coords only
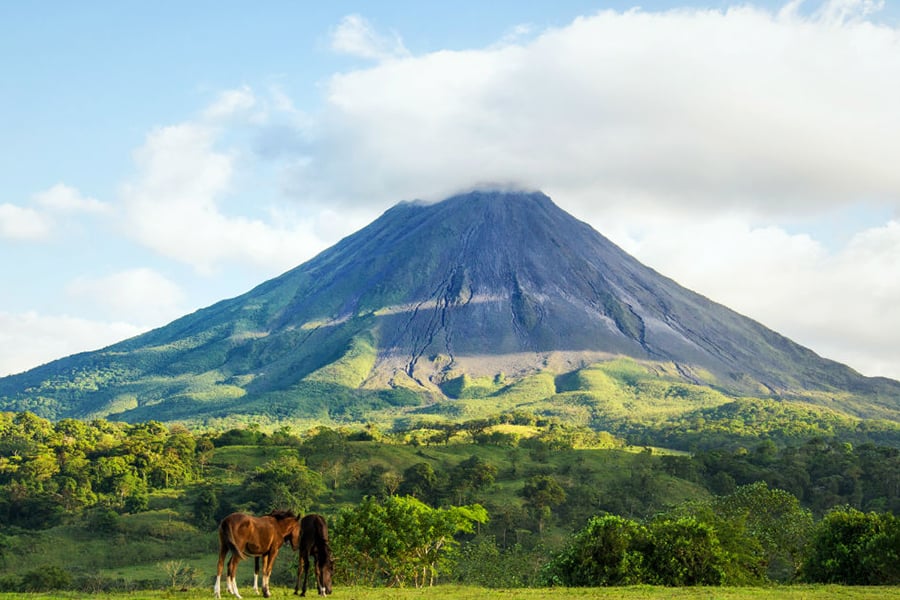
(488, 284)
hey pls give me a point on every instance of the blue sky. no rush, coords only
(158, 157)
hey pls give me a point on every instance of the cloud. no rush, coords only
(39, 219)
(195, 200)
(698, 110)
(231, 103)
(22, 223)
(125, 294)
(356, 36)
(66, 199)
(29, 339)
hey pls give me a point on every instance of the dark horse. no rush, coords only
(314, 540)
(245, 535)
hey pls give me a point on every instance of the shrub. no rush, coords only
(608, 551)
(612, 550)
(685, 552)
(855, 548)
(46, 578)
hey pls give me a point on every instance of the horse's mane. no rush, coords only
(280, 515)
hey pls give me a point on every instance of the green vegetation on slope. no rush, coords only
(648, 403)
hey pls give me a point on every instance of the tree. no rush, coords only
(177, 463)
(325, 442)
(117, 477)
(421, 481)
(144, 444)
(206, 506)
(542, 493)
(400, 539)
(774, 520)
(26, 507)
(285, 483)
(471, 475)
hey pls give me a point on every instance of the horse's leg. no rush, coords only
(318, 572)
(228, 583)
(268, 561)
(305, 572)
(266, 568)
(256, 574)
(217, 589)
(232, 574)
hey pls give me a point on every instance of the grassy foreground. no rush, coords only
(452, 592)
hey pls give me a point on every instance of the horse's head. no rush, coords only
(288, 527)
(293, 536)
(326, 572)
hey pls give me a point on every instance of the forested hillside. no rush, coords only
(531, 496)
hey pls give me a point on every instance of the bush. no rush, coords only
(608, 551)
(102, 520)
(45, 579)
(612, 550)
(685, 552)
(854, 548)
(10, 583)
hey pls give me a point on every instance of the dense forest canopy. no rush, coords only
(544, 499)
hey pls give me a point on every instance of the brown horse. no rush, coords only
(314, 540)
(244, 535)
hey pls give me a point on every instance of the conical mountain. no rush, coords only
(485, 284)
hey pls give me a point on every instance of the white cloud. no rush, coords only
(177, 204)
(39, 221)
(356, 36)
(698, 110)
(22, 223)
(30, 339)
(66, 199)
(125, 294)
(231, 103)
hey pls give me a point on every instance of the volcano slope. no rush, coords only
(478, 297)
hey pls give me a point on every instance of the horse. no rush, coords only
(314, 540)
(244, 535)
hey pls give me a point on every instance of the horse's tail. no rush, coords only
(226, 539)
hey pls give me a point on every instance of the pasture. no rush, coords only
(452, 592)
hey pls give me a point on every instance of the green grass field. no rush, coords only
(796, 592)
